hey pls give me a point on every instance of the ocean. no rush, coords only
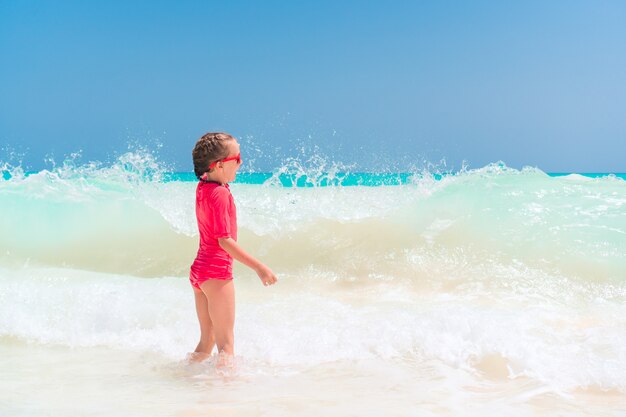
(489, 291)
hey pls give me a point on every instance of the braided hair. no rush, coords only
(210, 148)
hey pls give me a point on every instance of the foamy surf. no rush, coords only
(492, 291)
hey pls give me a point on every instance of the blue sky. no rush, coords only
(382, 85)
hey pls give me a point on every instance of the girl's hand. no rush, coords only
(267, 276)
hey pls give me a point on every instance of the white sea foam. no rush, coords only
(565, 344)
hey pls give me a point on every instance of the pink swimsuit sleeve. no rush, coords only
(221, 213)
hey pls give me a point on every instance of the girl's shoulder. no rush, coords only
(212, 191)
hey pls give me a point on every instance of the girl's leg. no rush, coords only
(221, 297)
(207, 339)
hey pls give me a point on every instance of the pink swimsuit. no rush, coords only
(217, 218)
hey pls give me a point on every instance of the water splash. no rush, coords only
(133, 167)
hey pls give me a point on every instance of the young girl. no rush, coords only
(216, 159)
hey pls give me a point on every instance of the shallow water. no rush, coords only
(97, 381)
(489, 292)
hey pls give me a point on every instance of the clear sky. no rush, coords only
(371, 83)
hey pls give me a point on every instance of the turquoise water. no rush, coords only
(343, 179)
(346, 179)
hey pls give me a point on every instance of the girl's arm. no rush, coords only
(238, 253)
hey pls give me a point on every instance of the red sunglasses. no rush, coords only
(232, 158)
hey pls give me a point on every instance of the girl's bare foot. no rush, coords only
(198, 356)
(225, 361)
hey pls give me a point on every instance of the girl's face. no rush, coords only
(230, 168)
